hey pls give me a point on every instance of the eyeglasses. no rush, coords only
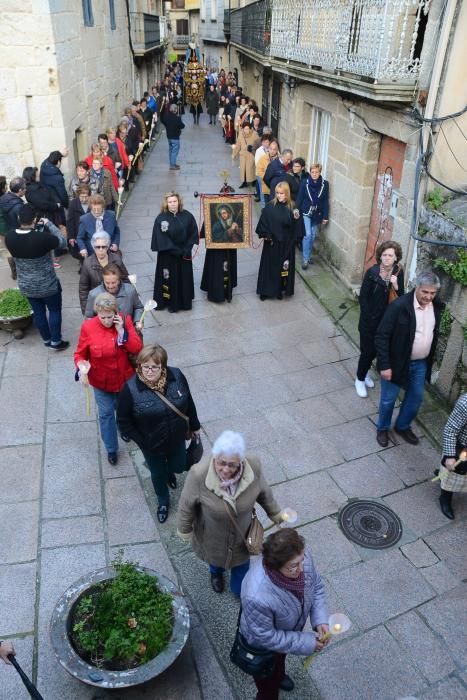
(230, 465)
(151, 368)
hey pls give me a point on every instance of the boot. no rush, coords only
(445, 501)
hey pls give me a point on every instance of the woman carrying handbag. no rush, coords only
(216, 509)
(156, 410)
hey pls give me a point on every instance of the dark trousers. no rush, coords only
(367, 354)
(268, 689)
(51, 328)
(162, 466)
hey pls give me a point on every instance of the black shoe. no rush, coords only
(445, 501)
(242, 186)
(263, 297)
(217, 583)
(172, 481)
(286, 683)
(382, 438)
(62, 345)
(112, 458)
(408, 435)
(125, 438)
(162, 513)
(256, 198)
(279, 296)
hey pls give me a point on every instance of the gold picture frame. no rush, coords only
(227, 221)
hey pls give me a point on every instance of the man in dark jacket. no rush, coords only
(51, 176)
(11, 202)
(31, 245)
(405, 344)
(277, 172)
(173, 127)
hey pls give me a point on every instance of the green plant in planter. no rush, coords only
(123, 622)
(13, 304)
(456, 269)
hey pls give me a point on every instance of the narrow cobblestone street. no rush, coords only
(281, 373)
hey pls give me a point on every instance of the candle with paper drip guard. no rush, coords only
(150, 305)
(462, 458)
(133, 279)
(119, 202)
(338, 624)
(84, 366)
(288, 515)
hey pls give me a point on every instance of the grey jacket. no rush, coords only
(273, 618)
(127, 297)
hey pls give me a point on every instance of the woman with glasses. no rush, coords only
(91, 275)
(106, 341)
(156, 410)
(216, 507)
(280, 592)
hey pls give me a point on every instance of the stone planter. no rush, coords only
(102, 678)
(15, 323)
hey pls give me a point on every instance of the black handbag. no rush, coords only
(258, 663)
(194, 451)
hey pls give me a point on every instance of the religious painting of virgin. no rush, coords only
(227, 221)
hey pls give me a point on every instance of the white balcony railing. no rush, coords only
(375, 39)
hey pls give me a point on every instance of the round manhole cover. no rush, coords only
(370, 524)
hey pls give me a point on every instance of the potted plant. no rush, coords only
(15, 312)
(119, 626)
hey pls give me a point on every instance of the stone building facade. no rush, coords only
(340, 88)
(68, 71)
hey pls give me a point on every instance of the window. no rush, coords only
(319, 137)
(87, 13)
(213, 10)
(113, 23)
(182, 27)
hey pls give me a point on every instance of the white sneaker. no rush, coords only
(369, 382)
(361, 389)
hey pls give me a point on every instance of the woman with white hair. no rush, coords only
(92, 270)
(217, 504)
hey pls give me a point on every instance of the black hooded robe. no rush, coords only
(280, 230)
(173, 237)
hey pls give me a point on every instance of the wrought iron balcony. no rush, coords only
(148, 32)
(250, 26)
(227, 23)
(372, 42)
(180, 40)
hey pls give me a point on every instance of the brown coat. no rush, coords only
(91, 275)
(203, 519)
(247, 158)
(261, 167)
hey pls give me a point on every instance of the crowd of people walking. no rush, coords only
(140, 397)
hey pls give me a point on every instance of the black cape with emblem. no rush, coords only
(219, 272)
(280, 230)
(173, 237)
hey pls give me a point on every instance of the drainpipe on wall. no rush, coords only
(433, 85)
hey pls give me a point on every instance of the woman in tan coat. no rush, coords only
(227, 484)
(246, 145)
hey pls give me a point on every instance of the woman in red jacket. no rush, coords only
(105, 342)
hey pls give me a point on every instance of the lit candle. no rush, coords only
(289, 515)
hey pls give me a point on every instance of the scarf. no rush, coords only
(231, 485)
(296, 586)
(314, 188)
(157, 385)
(99, 223)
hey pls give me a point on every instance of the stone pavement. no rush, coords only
(282, 374)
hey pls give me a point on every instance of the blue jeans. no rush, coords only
(237, 574)
(412, 399)
(174, 147)
(106, 405)
(51, 329)
(162, 466)
(311, 230)
(259, 187)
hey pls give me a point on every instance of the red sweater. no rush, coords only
(110, 366)
(108, 165)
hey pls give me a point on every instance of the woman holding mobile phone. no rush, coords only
(105, 342)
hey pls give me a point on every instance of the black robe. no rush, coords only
(219, 272)
(173, 237)
(280, 230)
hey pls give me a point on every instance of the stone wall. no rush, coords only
(59, 79)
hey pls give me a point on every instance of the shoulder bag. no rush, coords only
(195, 449)
(255, 534)
(258, 663)
(392, 293)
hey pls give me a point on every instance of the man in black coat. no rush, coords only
(277, 172)
(173, 128)
(405, 344)
(11, 202)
